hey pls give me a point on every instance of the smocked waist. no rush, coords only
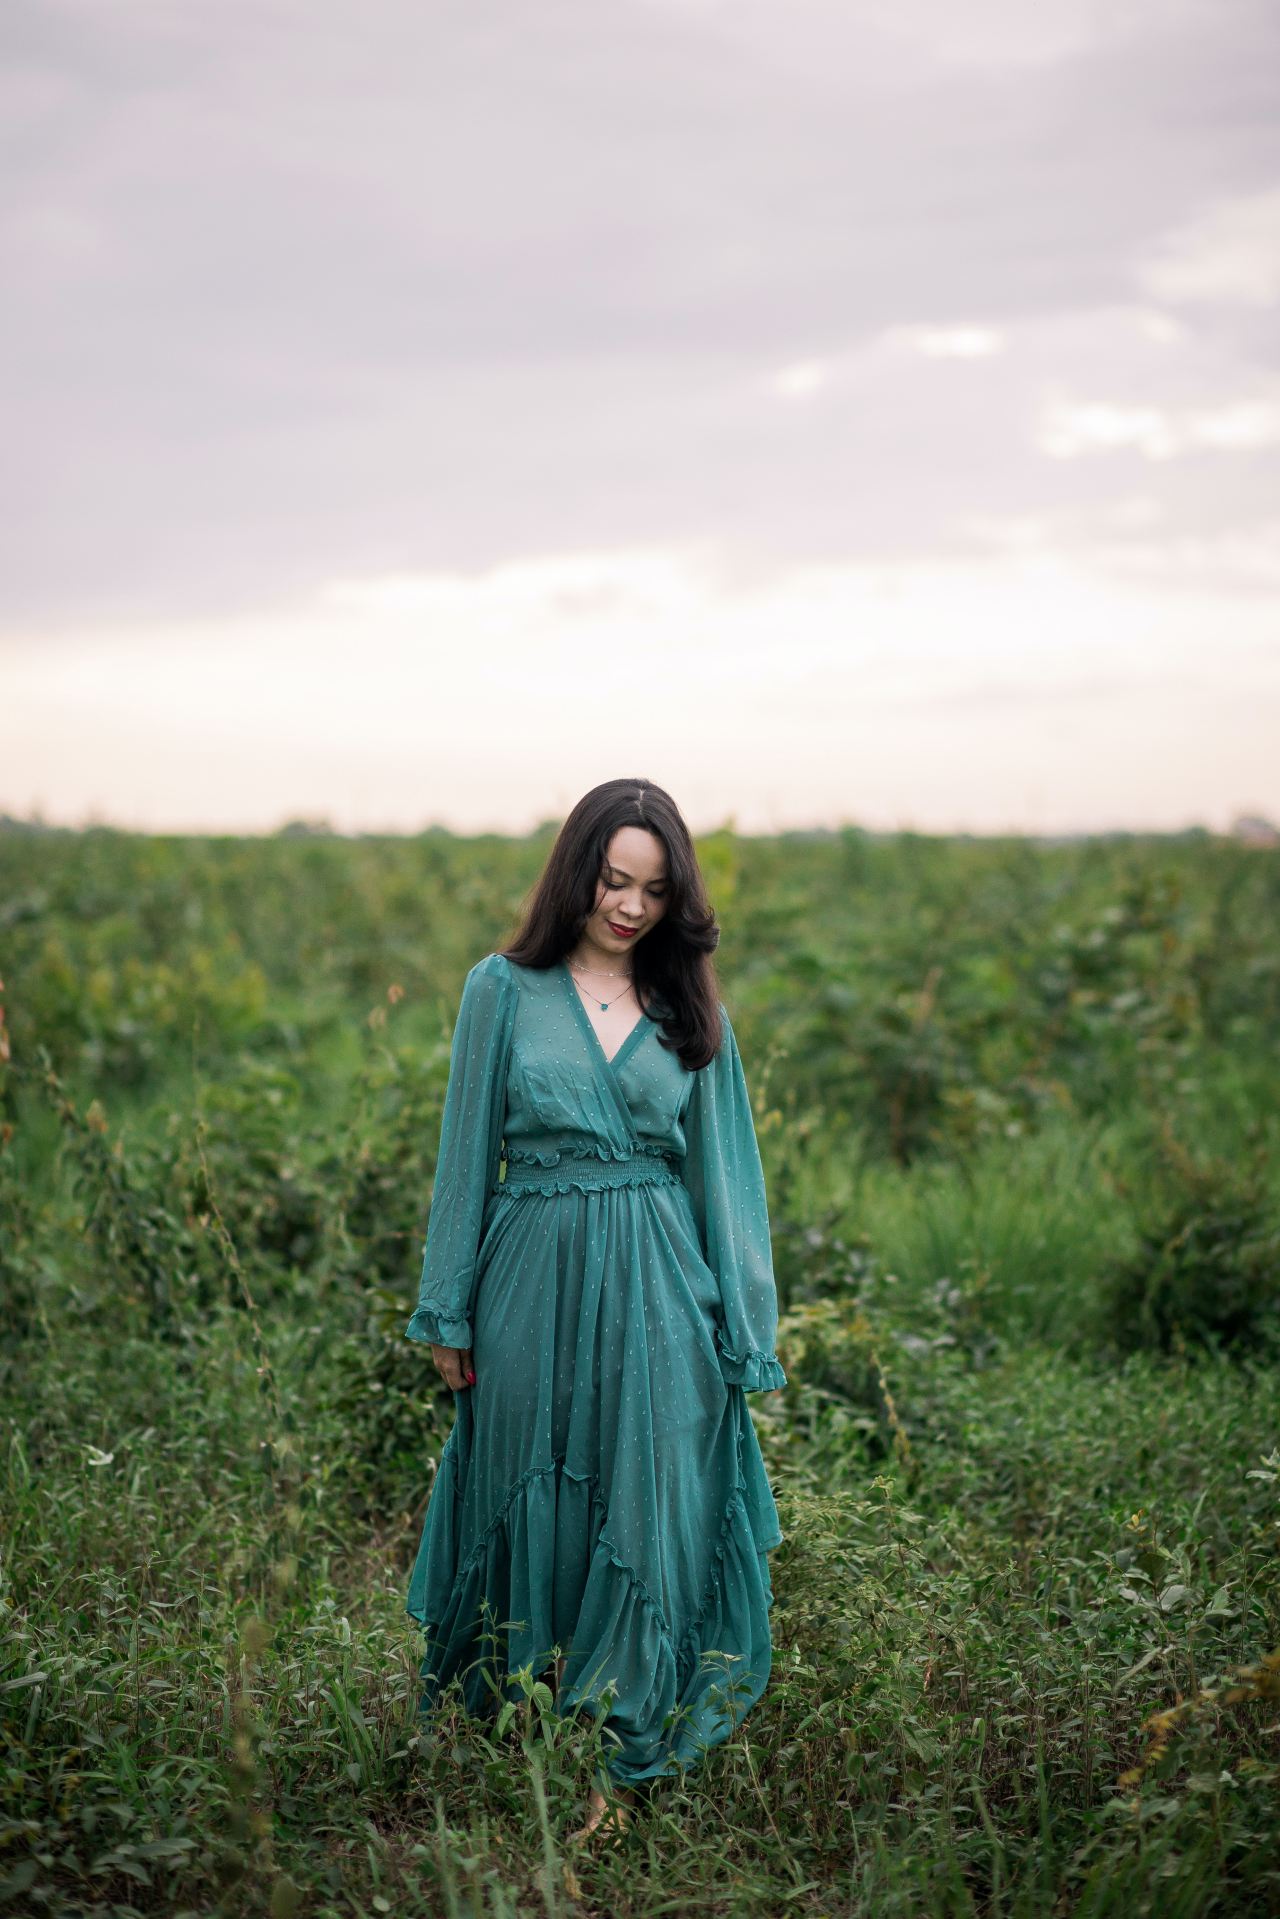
(588, 1173)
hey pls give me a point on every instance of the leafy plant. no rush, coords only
(1206, 1269)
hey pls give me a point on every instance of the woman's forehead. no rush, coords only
(638, 854)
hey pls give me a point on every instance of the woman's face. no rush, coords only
(631, 893)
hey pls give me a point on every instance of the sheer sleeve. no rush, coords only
(725, 1178)
(467, 1163)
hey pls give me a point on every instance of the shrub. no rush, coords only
(1206, 1271)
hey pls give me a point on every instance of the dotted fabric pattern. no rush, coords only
(601, 1491)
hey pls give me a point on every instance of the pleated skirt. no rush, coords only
(601, 1495)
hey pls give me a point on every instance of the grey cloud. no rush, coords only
(298, 290)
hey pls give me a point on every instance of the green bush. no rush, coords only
(1206, 1270)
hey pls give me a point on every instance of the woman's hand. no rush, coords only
(453, 1363)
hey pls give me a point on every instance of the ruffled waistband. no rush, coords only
(591, 1175)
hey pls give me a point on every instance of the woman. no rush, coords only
(600, 1313)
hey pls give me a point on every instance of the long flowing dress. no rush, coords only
(601, 1492)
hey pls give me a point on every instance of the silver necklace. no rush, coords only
(603, 1004)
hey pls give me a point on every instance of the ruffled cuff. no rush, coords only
(754, 1372)
(432, 1325)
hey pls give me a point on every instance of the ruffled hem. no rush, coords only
(674, 1694)
(436, 1328)
(754, 1372)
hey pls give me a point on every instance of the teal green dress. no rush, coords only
(601, 1490)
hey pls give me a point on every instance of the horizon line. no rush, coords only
(1245, 827)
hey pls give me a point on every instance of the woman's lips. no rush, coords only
(624, 932)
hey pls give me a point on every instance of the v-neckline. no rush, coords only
(611, 1061)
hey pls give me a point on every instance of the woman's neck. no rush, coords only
(589, 958)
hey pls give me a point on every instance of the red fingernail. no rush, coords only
(472, 1378)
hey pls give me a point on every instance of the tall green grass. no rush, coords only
(1019, 1129)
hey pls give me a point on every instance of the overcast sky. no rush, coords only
(834, 411)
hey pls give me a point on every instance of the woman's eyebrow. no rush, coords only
(660, 881)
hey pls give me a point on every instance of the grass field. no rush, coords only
(1019, 1109)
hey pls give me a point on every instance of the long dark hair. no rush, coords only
(672, 965)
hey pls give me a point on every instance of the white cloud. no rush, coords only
(1069, 429)
(801, 380)
(1250, 424)
(1227, 256)
(952, 342)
